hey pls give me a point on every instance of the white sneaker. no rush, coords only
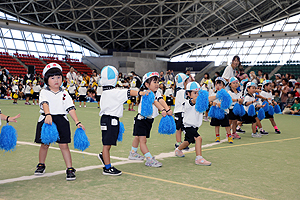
(256, 135)
(79, 106)
(135, 156)
(153, 163)
(179, 153)
(84, 106)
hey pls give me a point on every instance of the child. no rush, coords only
(180, 80)
(266, 94)
(8, 118)
(277, 98)
(142, 125)
(82, 93)
(220, 84)
(111, 104)
(27, 92)
(249, 99)
(169, 94)
(236, 98)
(72, 90)
(15, 91)
(192, 120)
(55, 104)
(208, 86)
(99, 93)
(132, 98)
(36, 92)
(295, 109)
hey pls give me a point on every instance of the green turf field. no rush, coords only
(251, 168)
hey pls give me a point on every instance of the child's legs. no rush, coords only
(43, 153)
(178, 135)
(135, 142)
(33, 100)
(64, 148)
(27, 99)
(217, 129)
(227, 128)
(198, 146)
(254, 128)
(206, 113)
(183, 145)
(80, 103)
(105, 154)
(233, 125)
(143, 145)
(258, 122)
(272, 121)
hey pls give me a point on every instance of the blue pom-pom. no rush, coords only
(271, 110)
(219, 113)
(225, 99)
(211, 112)
(277, 109)
(49, 133)
(173, 125)
(146, 107)
(236, 109)
(8, 138)
(167, 125)
(243, 112)
(81, 141)
(266, 108)
(251, 110)
(261, 114)
(202, 101)
(121, 131)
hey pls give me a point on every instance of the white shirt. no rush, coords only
(99, 90)
(233, 95)
(111, 102)
(267, 95)
(15, 88)
(191, 117)
(155, 110)
(60, 103)
(27, 89)
(82, 90)
(72, 89)
(169, 92)
(179, 100)
(249, 98)
(36, 88)
(228, 72)
(71, 76)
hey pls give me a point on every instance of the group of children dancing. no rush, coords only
(55, 103)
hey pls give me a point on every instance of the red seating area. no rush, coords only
(64, 66)
(31, 60)
(79, 66)
(13, 66)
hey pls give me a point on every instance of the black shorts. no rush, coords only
(169, 101)
(35, 95)
(82, 98)
(142, 126)
(98, 97)
(63, 128)
(246, 119)
(190, 134)
(73, 96)
(133, 99)
(220, 122)
(232, 116)
(268, 116)
(28, 95)
(178, 121)
(110, 129)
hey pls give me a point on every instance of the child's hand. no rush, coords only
(13, 119)
(214, 103)
(241, 101)
(170, 112)
(145, 93)
(263, 105)
(164, 113)
(80, 126)
(256, 99)
(48, 119)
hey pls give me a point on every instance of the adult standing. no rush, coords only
(71, 75)
(230, 69)
(137, 79)
(284, 93)
(191, 78)
(169, 76)
(161, 77)
(28, 77)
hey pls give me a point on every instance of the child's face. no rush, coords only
(153, 86)
(193, 94)
(276, 94)
(296, 101)
(267, 87)
(251, 89)
(234, 84)
(54, 82)
(219, 85)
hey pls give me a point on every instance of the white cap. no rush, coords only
(149, 75)
(192, 86)
(51, 65)
(180, 79)
(109, 76)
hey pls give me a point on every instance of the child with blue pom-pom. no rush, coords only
(143, 124)
(111, 105)
(55, 103)
(266, 94)
(250, 99)
(192, 120)
(181, 82)
(236, 99)
(220, 84)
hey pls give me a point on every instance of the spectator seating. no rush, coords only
(265, 68)
(79, 66)
(11, 64)
(289, 68)
(31, 60)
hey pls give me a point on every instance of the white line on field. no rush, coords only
(122, 162)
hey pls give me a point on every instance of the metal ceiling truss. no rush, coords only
(150, 25)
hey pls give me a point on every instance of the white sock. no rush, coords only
(199, 157)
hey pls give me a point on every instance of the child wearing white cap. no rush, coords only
(55, 104)
(111, 105)
(192, 120)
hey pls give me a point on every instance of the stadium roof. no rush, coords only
(150, 25)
